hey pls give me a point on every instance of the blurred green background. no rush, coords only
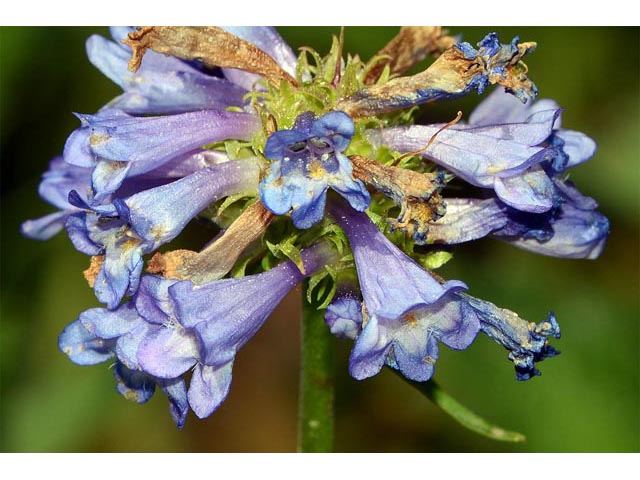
(586, 400)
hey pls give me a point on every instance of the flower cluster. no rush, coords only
(309, 168)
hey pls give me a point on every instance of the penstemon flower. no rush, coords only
(312, 170)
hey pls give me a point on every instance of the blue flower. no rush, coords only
(99, 335)
(172, 327)
(412, 340)
(56, 184)
(574, 229)
(527, 342)
(126, 229)
(119, 146)
(571, 148)
(406, 310)
(502, 157)
(306, 161)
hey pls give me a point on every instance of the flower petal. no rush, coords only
(76, 226)
(82, 346)
(128, 344)
(369, 352)
(168, 352)
(577, 146)
(176, 390)
(133, 385)
(135, 139)
(152, 301)
(532, 191)
(209, 388)
(108, 324)
(467, 219)
(344, 316)
(44, 228)
(576, 234)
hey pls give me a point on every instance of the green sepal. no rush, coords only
(434, 260)
(287, 250)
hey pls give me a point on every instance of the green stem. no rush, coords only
(315, 421)
(462, 414)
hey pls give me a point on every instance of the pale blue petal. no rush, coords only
(209, 388)
(110, 323)
(82, 346)
(369, 351)
(44, 228)
(467, 219)
(168, 352)
(531, 192)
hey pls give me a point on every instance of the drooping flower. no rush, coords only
(527, 342)
(125, 230)
(495, 156)
(572, 228)
(99, 335)
(407, 310)
(306, 161)
(172, 327)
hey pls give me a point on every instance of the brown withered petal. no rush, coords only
(394, 181)
(450, 73)
(168, 264)
(217, 259)
(213, 46)
(416, 193)
(409, 47)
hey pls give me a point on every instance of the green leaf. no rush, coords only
(462, 414)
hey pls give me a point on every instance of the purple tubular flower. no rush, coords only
(110, 177)
(269, 41)
(504, 157)
(95, 337)
(125, 230)
(573, 229)
(77, 149)
(527, 342)
(408, 310)
(54, 188)
(162, 84)
(208, 324)
(572, 148)
(136, 139)
(306, 161)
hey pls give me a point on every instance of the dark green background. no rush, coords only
(586, 400)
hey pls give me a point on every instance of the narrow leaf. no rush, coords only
(462, 414)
